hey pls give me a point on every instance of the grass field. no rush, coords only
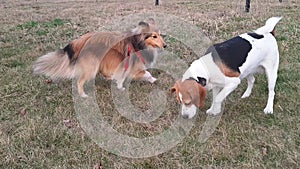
(39, 127)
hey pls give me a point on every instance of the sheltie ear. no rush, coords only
(143, 24)
(151, 21)
(141, 28)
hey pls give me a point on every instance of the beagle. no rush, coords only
(223, 67)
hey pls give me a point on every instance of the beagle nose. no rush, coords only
(165, 45)
(185, 116)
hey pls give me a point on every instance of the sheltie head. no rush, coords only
(147, 35)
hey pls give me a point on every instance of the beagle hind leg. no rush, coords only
(250, 81)
(271, 68)
(272, 77)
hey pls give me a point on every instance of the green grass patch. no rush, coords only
(15, 63)
(28, 25)
(42, 28)
(50, 24)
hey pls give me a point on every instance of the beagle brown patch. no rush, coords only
(227, 71)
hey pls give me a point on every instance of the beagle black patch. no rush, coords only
(232, 53)
(255, 35)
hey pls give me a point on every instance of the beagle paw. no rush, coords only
(268, 110)
(213, 112)
(215, 109)
(245, 95)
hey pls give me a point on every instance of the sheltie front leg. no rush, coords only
(120, 84)
(119, 77)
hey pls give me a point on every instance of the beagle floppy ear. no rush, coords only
(202, 95)
(175, 88)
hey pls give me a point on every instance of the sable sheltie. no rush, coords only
(115, 55)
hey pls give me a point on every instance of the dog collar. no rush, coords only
(200, 80)
(129, 51)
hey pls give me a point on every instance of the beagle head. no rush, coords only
(191, 94)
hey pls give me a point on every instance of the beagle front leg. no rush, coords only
(212, 108)
(231, 84)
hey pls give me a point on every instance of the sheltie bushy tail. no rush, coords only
(61, 63)
(56, 65)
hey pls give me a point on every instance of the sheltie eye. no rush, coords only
(154, 36)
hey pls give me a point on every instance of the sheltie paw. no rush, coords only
(148, 77)
(83, 95)
(120, 87)
(152, 79)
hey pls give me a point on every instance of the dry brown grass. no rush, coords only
(49, 135)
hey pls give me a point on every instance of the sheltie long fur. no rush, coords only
(115, 55)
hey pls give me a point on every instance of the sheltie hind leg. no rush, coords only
(87, 72)
(80, 86)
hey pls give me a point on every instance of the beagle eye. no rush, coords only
(154, 36)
